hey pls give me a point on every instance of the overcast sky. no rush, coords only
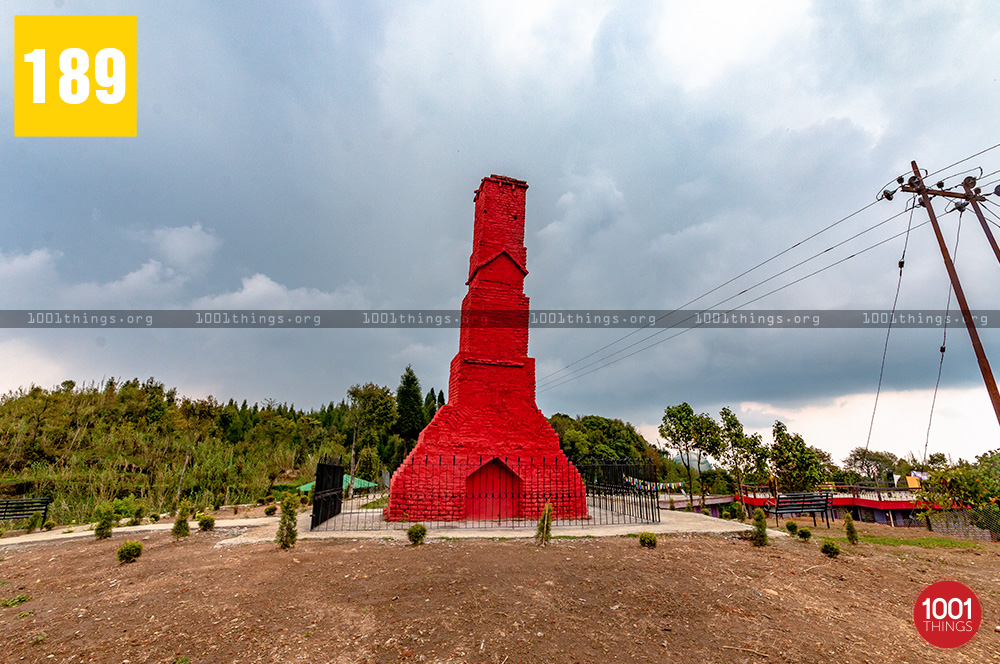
(302, 155)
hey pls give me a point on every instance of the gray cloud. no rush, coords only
(324, 155)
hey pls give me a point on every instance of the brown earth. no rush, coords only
(702, 599)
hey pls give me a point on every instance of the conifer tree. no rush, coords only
(409, 407)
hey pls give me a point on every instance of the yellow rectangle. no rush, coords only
(68, 56)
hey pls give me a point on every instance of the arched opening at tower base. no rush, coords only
(492, 492)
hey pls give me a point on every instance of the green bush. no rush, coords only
(106, 520)
(154, 516)
(33, 522)
(416, 534)
(49, 525)
(759, 535)
(544, 532)
(647, 540)
(852, 532)
(830, 549)
(791, 527)
(287, 533)
(181, 527)
(129, 551)
(206, 522)
(805, 534)
(736, 511)
(270, 510)
(137, 514)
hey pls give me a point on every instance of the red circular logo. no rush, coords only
(947, 614)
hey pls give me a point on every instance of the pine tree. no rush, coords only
(852, 532)
(430, 405)
(440, 399)
(759, 535)
(287, 532)
(409, 407)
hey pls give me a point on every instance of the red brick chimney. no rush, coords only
(489, 452)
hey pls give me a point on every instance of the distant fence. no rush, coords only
(975, 523)
(615, 492)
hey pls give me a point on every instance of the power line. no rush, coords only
(709, 292)
(973, 156)
(745, 290)
(571, 378)
(888, 331)
(944, 342)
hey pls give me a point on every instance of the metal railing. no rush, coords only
(510, 496)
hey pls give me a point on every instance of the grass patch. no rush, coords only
(922, 542)
(14, 601)
(376, 504)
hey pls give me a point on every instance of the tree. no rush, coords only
(741, 453)
(369, 465)
(372, 411)
(410, 407)
(794, 464)
(870, 463)
(441, 401)
(689, 433)
(430, 405)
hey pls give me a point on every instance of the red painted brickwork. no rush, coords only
(497, 440)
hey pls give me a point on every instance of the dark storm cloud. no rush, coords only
(324, 155)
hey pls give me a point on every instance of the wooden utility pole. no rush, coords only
(916, 185)
(972, 195)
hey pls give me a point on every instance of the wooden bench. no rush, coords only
(799, 503)
(12, 509)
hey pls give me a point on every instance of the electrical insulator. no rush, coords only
(901, 264)
(942, 349)
(887, 195)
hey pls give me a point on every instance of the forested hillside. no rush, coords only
(83, 445)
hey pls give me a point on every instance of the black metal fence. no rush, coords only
(488, 493)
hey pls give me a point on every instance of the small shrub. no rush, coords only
(759, 535)
(181, 527)
(416, 534)
(270, 510)
(724, 513)
(154, 516)
(647, 540)
(269, 499)
(105, 521)
(49, 525)
(261, 501)
(805, 534)
(304, 499)
(236, 509)
(791, 527)
(830, 549)
(206, 522)
(736, 511)
(34, 522)
(129, 551)
(852, 532)
(287, 534)
(544, 532)
(137, 513)
(672, 506)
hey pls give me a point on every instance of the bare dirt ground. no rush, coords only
(694, 598)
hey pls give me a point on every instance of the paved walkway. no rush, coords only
(264, 529)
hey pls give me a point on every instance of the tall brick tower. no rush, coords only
(490, 453)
